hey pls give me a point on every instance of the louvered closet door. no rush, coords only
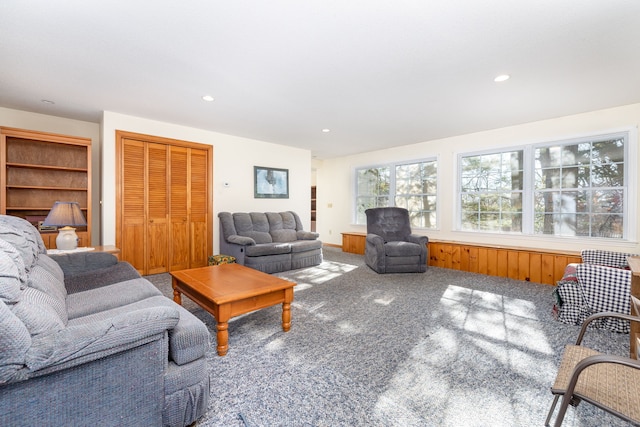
(165, 206)
(179, 223)
(157, 209)
(199, 203)
(132, 204)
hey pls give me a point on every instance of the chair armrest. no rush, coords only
(600, 315)
(419, 239)
(82, 262)
(82, 343)
(241, 240)
(306, 235)
(374, 239)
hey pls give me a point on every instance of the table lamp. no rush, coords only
(65, 215)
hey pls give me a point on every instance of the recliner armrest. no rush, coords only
(419, 239)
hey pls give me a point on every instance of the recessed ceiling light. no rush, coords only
(208, 98)
(46, 101)
(502, 78)
(325, 130)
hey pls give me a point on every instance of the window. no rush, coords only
(579, 189)
(411, 186)
(569, 188)
(491, 191)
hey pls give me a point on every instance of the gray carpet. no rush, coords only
(443, 348)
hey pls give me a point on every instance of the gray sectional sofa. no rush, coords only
(270, 242)
(84, 340)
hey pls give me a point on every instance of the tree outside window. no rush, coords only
(411, 186)
(578, 189)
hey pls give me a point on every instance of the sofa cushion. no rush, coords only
(268, 249)
(81, 262)
(15, 340)
(282, 226)
(305, 245)
(253, 225)
(12, 274)
(36, 310)
(51, 266)
(44, 281)
(105, 298)
(284, 235)
(23, 236)
(121, 272)
(401, 249)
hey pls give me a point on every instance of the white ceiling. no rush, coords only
(378, 73)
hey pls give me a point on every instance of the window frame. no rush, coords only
(628, 134)
(392, 186)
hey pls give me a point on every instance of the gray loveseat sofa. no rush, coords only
(270, 242)
(84, 340)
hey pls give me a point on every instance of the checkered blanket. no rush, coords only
(601, 283)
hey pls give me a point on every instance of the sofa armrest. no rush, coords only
(241, 240)
(82, 343)
(82, 262)
(307, 235)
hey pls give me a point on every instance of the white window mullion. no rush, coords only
(527, 191)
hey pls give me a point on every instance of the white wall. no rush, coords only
(44, 123)
(335, 187)
(233, 162)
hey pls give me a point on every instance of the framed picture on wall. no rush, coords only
(270, 183)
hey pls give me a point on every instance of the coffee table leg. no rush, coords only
(222, 315)
(222, 338)
(176, 293)
(286, 310)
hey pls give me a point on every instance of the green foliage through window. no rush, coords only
(577, 188)
(411, 186)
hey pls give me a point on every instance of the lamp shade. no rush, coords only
(65, 214)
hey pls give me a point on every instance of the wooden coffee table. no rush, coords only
(229, 290)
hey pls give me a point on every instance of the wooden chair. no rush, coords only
(607, 381)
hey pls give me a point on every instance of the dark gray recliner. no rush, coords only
(390, 245)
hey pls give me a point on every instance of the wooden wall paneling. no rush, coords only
(517, 263)
(492, 262)
(446, 255)
(473, 260)
(483, 261)
(456, 257)
(559, 265)
(548, 269)
(465, 259)
(434, 254)
(535, 267)
(513, 264)
(524, 265)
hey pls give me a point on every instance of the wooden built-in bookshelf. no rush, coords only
(37, 169)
